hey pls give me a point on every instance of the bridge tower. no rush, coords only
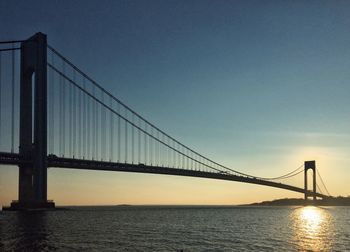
(310, 165)
(32, 191)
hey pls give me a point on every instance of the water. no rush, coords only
(178, 228)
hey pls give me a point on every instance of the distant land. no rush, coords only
(332, 201)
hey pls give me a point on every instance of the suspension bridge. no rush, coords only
(52, 114)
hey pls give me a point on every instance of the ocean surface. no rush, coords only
(166, 228)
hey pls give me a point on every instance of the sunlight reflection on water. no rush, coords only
(176, 228)
(313, 228)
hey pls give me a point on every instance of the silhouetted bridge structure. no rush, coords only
(67, 120)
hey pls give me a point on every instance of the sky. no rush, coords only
(259, 86)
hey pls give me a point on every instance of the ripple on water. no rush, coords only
(173, 229)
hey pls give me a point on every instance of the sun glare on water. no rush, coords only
(312, 218)
(312, 226)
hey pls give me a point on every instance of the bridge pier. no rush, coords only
(310, 165)
(32, 185)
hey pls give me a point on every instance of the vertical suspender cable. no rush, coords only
(132, 139)
(184, 164)
(77, 124)
(74, 117)
(91, 136)
(71, 118)
(85, 123)
(111, 158)
(64, 109)
(157, 149)
(165, 153)
(174, 155)
(0, 94)
(84, 120)
(169, 154)
(50, 73)
(103, 131)
(180, 157)
(93, 116)
(60, 115)
(176, 163)
(196, 165)
(157, 142)
(151, 147)
(106, 133)
(126, 136)
(88, 143)
(160, 145)
(177, 156)
(97, 105)
(119, 140)
(100, 129)
(192, 163)
(139, 142)
(145, 143)
(96, 131)
(188, 160)
(52, 102)
(80, 131)
(91, 130)
(183, 158)
(13, 102)
(162, 151)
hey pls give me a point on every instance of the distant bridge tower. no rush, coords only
(310, 165)
(33, 127)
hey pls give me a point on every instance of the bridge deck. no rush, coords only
(57, 162)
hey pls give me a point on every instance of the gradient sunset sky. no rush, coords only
(259, 86)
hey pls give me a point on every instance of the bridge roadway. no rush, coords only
(58, 162)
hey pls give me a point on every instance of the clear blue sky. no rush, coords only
(259, 86)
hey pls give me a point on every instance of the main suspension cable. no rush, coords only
(288, 175)
(186, 151)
